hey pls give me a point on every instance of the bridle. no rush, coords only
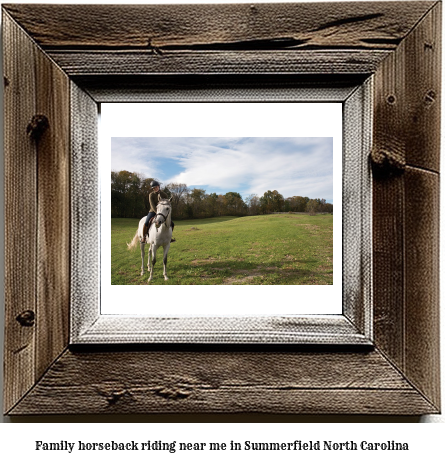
(161, 214)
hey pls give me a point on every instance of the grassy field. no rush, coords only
(271, 249)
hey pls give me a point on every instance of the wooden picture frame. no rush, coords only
(56, 71)
(263, 320)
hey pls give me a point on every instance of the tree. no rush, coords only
(234, 203)
(312, 206)
(212, 204)
(297, 203)
(286, 207)
(130, 199)
(324, 207)
(272, 201)
(329, 208)
(126, 199)
(179, 193)
(253, 204)
(221, 205)
(319, 205)
(196, 199)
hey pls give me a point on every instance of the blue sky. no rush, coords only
(248, 165)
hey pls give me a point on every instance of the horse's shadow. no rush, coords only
(245, 272)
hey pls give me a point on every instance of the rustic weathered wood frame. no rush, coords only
(81, 55)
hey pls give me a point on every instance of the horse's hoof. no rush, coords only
(142, 273)
(165, 277)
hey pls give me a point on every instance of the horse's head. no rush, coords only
(163, 209)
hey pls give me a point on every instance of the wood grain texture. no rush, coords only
(53, 200)
(20, 212)
(222, 382)
(85, 211)
(153, 27)
(119, 63)
(388, 200)
(408, 82)
(421, 210)
(406, 134)
(225, 39)
(423, 92)
(37, 215)
(388, 268)
(109, 329)
(422, 364)
(357, 209)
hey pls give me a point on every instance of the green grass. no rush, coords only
(270, 249)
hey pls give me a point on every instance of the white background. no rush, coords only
(219, 120)
(17, 440)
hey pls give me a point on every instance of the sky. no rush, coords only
(248, 165)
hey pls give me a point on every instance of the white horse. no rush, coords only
(159, 234)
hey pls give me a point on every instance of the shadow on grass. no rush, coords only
(241, 272)
(236, 266)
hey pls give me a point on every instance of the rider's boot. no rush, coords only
(144, 234)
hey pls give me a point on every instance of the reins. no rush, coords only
(161, 214)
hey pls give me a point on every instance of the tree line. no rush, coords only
(130, 199)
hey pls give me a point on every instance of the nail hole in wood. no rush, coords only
(430, 97)
(37, 126)
(26, 318)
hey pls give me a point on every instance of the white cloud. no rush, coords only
(293, 166)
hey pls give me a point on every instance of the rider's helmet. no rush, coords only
(154, 184)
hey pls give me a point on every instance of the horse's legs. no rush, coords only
(149, 265)
(152, 260)
(166, 248)
(142, 257)
(149, 259)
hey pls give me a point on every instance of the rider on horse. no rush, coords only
(154, 200)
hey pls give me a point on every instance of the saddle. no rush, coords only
(146, 229)
(150, 222)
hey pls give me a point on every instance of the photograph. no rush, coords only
(241, 195)
(240, 210)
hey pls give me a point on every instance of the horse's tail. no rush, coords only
(132, 245)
